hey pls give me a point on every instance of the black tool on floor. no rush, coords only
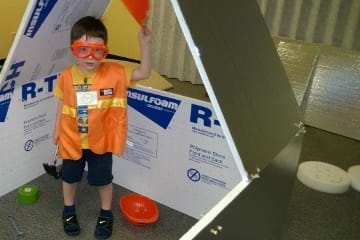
(52, 170)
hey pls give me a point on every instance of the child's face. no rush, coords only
(89, 64)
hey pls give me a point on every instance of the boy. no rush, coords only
(91, 121)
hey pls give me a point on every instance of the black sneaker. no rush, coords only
(103, 228)
(71, 225)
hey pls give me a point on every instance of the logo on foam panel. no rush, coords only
(38, 16)
(193, 174)
(7, 88)
(157, 108)
(29, 144)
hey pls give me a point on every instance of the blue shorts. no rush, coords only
(99, 168)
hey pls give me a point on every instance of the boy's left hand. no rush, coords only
(144, 69)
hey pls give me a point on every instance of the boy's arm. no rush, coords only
(57, 121)
(144, 69)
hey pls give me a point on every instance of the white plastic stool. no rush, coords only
(323, 177)
(354, 172)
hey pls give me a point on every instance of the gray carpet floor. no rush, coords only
(43, 220)
(313, 215)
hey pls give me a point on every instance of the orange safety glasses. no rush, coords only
(82, 49)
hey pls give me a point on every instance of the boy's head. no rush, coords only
(88, 43)
(90, 27)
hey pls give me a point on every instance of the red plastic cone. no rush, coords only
(139, 9)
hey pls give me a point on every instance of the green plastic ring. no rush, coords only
(28, 194)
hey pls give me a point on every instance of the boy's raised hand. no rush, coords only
(144, 37)
(144, 70)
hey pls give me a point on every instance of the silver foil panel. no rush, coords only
(334, 101)
(299, 61)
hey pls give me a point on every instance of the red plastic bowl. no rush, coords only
(133, 222)
(138, 209)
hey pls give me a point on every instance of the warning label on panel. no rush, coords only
(142, 146)
(207, 156)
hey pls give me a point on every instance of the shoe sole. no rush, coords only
(73, 233)
(102, 237)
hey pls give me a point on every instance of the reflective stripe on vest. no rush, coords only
(107, 103)
(102, 104)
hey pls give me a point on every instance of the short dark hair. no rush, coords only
(89, 26)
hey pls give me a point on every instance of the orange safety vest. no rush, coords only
(107, 121)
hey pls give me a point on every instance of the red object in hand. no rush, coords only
(139, 9)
